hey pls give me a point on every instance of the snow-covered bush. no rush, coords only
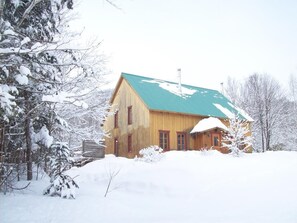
(60, 184)
(150, 154)
(205, 151)
(237, 138)
(63, 186)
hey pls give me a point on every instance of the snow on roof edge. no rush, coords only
(242, 112)
(208, 124)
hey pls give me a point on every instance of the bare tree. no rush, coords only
(233, 91)
(265, 101)
(293, 89)
(111, 176)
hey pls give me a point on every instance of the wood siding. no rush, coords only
(123, 98)
(174, 123)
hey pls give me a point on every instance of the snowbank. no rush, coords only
(182, 187)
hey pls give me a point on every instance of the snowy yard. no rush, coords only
(182, 187)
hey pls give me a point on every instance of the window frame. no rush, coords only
(185, 141)
(116, 119)
(129, 143)
(213, 136)
(130, 115)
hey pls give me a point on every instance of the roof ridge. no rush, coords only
(171, 82)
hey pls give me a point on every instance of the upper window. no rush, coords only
(116, 119)
(129, 143)
(164, 140)
(129, 115)
(181, 141)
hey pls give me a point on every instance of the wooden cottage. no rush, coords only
(147, 111)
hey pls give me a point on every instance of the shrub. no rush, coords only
(150, 154)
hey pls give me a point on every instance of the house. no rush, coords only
(147, 111)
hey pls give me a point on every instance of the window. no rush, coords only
(215, 139)
(129, 143)
(164, 140)
(129, 115)
(116, 119)
(181, 141)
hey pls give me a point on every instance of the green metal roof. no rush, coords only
(165, 96)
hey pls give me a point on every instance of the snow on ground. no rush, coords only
(183, 187)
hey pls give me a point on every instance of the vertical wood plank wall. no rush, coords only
(173, 122)
(139, 129)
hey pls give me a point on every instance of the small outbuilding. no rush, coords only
(208, 133)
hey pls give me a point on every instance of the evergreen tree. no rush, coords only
(236, 139)
(29, 66)
(39, 76)
(60, 184)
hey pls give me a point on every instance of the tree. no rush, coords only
(30, 64)
(61, 184)
(265, 101)
(287, 138)
(237, 138)
(293, 89)
(233, 91)
(84, 104)
(40, 71)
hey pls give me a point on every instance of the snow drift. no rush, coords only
(182, 187)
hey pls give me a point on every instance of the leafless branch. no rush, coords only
(112, 175)
(113, 4)
(27, 11)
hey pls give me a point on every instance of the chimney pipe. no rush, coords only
(179, 79)
(222, 88)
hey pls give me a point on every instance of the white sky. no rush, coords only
(208, 39)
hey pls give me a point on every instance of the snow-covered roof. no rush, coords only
(207, 124)
(161, 95)
(173, 88)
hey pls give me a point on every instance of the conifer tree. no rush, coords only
(236, 139)
(61, 184)
(38, 71)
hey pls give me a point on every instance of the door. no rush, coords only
(116, 147)
(164, 140)
(181, 141)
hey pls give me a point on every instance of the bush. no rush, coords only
(63, 186)
(150, 154)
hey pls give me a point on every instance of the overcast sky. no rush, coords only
(208, 39)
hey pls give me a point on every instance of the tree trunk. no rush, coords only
(29, 149)
(2, 153)
(262, 133)
(2, 2)
(28, 137)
